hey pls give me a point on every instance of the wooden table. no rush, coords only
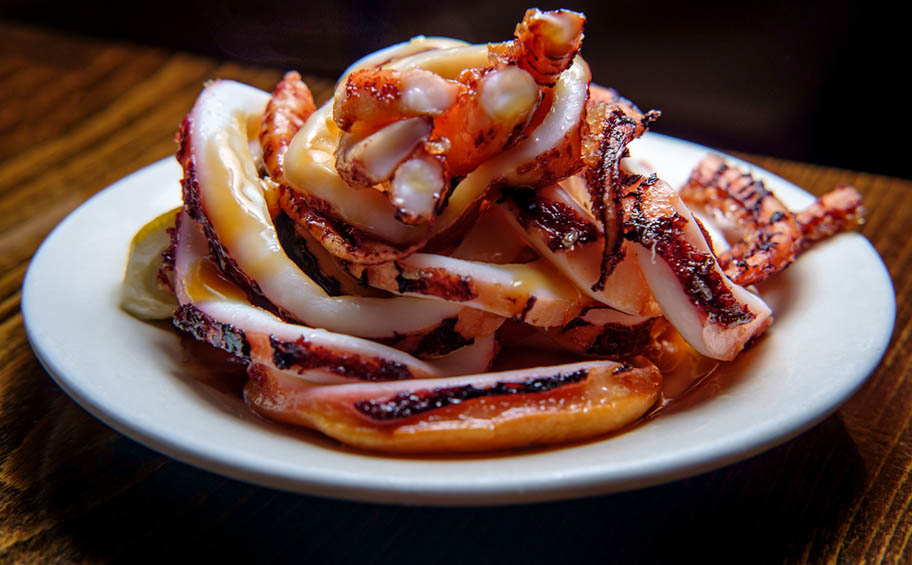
(77, 115)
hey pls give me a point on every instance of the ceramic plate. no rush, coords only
(834, 313)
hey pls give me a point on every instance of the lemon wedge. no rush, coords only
(141, 293)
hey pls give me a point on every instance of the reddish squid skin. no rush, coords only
(466, 414)
(611, 123)
(555, 220)
(837, 211)
(772, 236)
(693, 268)
(536, 47)
(297, 356)
(340, 238)
(287, 110)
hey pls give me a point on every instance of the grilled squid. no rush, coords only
(770, 235)
(223, 191)
(836, 211)
(215, 310)
(305, 376)
(563, 231)
(714, 315)
(545, 43)
(545, 153)
(449, 255)
(489, 411)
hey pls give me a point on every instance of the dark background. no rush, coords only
(822, 82)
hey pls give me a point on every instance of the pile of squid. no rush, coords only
(369, 258)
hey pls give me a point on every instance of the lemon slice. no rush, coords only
(141, 293)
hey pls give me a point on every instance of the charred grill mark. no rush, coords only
(268, 152)
(577, 322)
(694, 269)
(402, 283)
(393, 341)
(518, 133)
(773, 234)
(445, 201)
(419, 402)
(703, 229)
(618, 340)
(315, 212)
(205, 328)
(527, 308)
(553, 165)
(435, 282)
(165, 273)
(834, 212)
(297, 251)
(444, 339)
(714, 182)
(182, 137)
(650, 118)
(561, 225)
(306, 210)
(609, 340)
(340, 238)
(610, 129)
(301, 355)
(352, 236)
(623, 368)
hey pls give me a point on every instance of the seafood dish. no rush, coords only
(457, 252)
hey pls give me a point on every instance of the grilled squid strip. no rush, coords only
(216, 311)
(303, 376)
(565, 234)
(481, 412)
(223, 189)
(413, 130)
(310, 168)
(836, 211)
(311, 171)
(771, 236)
(549, 153)
(533, 292)
(544, 45)
(611, 124)
(288, 108)
(714, 315)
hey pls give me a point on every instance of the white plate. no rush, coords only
(834, 314)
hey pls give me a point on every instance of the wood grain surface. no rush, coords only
(76, 115)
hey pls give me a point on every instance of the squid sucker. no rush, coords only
(451, 254)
